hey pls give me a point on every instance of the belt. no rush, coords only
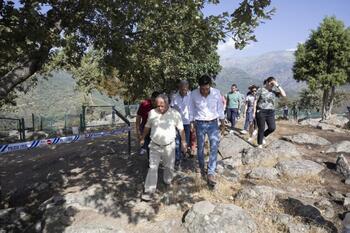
(162, 145)
(207, 121)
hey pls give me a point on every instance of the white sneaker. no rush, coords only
(264, 142)
(231, 132)
(260, 146)
(244, 131)
(255, 132)
(143, 151)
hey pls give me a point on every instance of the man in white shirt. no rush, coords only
(206, 108)
(181, 102)
(162, 124)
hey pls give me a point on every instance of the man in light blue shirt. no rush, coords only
(234, 100)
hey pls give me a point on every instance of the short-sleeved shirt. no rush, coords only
(266, 99)
(163, 126)
(250, 99)
(144, 109)
(233, 99)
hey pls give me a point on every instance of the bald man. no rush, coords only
(162, 123)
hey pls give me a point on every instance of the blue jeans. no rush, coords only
(210, 128)
(178, 154)
(249, 119)
(233, 113)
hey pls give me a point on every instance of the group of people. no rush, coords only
(164, 125)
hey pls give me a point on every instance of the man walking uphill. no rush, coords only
(181, 102)
(206, 108)
(234, 99)
(162, 123)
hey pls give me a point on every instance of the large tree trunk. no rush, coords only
(327, 103)
(325, 98)
(18, 75)
(23, 71)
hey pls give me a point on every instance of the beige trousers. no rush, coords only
(165, 154)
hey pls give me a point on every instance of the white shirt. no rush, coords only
(206, 108)
(182, 104)
(163, 126)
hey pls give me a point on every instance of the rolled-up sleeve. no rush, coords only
(191, 107)
(178, 121)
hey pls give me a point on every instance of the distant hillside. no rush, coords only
(255, 69)
(231, 75)
(55, 96)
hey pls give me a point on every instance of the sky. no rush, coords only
(291, 24)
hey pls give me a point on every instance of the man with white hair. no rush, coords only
(162, 123)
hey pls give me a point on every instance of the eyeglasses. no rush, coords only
(253, 90)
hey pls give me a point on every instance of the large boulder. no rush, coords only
(258, 195)
(306, 209)
(232, 146)
(304, 138)
(285, 150)
(343, 167)
(343, 146)
(259, 156)
(299, 168)
(262, 173)
(205, 217)
(232, 162)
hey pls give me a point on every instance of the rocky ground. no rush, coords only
(300, 182)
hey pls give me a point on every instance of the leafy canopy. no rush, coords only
(141, 45)
(324, 59)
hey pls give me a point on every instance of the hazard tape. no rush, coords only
(58, 140)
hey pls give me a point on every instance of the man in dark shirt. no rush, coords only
(142, 114)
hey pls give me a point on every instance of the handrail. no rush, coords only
(128, 123)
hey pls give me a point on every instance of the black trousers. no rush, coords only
(265, 116)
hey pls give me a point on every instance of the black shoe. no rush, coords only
(177, 166)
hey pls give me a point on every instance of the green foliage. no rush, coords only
(312, 100)
(323, 61)
(140, 45)
(309, 100)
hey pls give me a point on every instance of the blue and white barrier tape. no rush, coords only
(59, 140)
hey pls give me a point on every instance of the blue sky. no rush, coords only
(291, 24)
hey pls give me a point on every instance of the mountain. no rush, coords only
(233, 75)
(253, 70)
(54, 97)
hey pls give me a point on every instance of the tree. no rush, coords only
(309, 100)
(324, 61)
(145, 44)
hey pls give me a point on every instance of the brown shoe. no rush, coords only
(211, 180)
